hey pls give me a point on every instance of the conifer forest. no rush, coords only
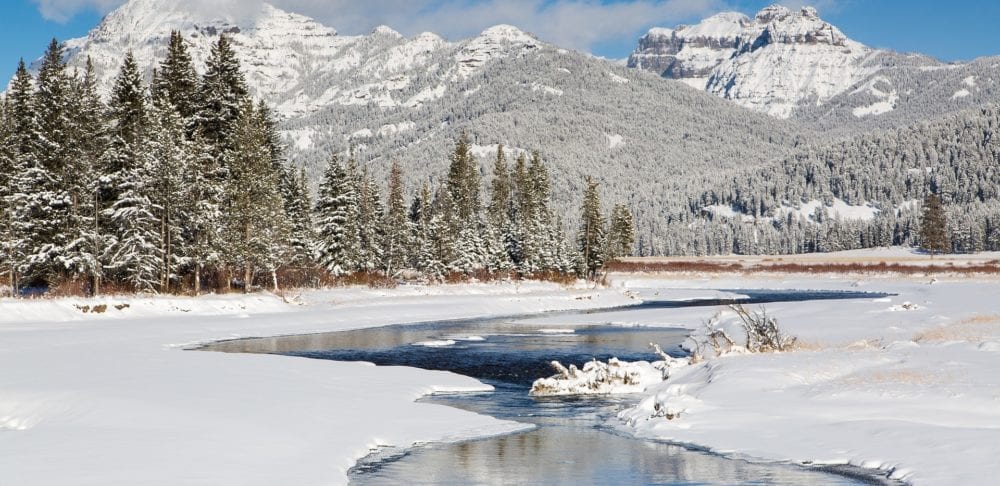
(183, 185)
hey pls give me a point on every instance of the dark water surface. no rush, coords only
(576, 440)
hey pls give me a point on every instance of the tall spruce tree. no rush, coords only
(177, 81)
(221, 96)
(134, 250)
(25, 175)
(52, 201)
(172, 157)
(255, 222)
(396, 244)
(206, 186)
(336, 204)
(621, 234)
(86, 140)
(464, 181)
(591, 237)
(370, 230)
(934, 237)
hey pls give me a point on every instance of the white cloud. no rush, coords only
(579, 24)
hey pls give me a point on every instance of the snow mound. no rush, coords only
(557, 331)
(598, 378)
(436, 344)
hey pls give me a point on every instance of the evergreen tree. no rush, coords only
(24, 175)
(86, 141)
(176, 82)
(396, 244)
(440, 249)
(591, 237)
(255, 223)
(420, 219)
(464, 181)
(369, 221)
(501, 192)
(51, 202)
(336, 243)
(172, 157)
(206, 186)
(221, 95)
(134, 251)
(298, 209)
(621, 234)
(934, 236)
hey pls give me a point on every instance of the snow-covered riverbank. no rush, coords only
(112, 397)
(906, 384)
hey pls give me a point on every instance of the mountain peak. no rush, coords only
(508, 33)
(773, 62)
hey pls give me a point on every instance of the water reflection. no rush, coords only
(579, 455)
(575, 441)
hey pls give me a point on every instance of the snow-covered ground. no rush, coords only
(907, 384)
(113, 397)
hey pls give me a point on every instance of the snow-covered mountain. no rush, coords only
(775, 62)
(294, 62)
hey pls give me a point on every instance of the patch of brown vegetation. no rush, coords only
(974, 329)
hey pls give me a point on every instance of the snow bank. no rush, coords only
(599, 378)
(112, 399)
(911, 393)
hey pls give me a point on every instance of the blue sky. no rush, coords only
(956, 30)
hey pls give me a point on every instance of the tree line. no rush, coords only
(183, 184)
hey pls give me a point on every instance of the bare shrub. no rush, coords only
(762, 332)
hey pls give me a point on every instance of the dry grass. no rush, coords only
(975, 329)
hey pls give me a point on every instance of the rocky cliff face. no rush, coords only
(776, 62)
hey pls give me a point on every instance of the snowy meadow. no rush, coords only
(901, 384)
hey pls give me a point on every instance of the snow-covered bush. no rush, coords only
(613, 377)
(761, 335)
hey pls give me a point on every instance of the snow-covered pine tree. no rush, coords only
(336, 204)
(19, 198)
(222, 91)
(8, 164)
(298, 210)
(498, 211)
(47, 208)
(370, 230)
(420, 220)
(86, 140)
(934, 237)
(255, 223)
(621, 234)
(442, 235)
(176, 79)
(396, 244)
(498, 231)
(591, 237)
(205, 183)
(520, 241)
(172, 157)
(539, 218)
(464, 180)
(134, 251)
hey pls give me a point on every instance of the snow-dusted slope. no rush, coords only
(774, 63)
